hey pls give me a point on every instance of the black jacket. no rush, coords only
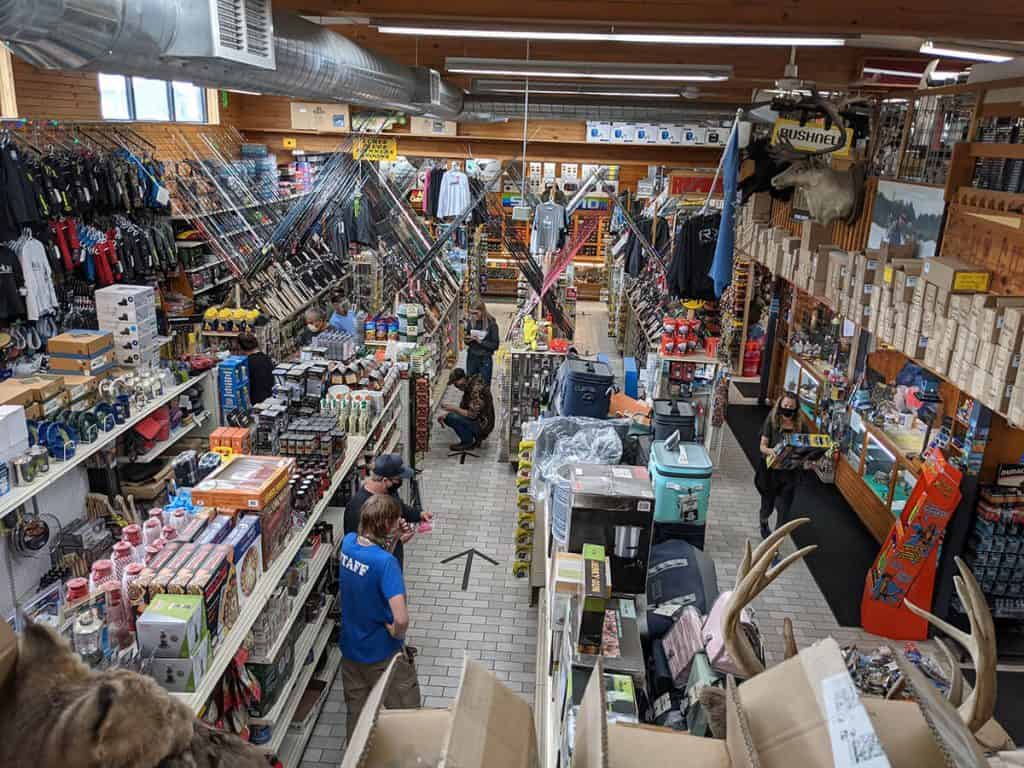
(261, 377)
(355, 507)
(486, 347)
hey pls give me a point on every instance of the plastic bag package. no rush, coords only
(565, 440)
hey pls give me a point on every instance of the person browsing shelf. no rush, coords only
(483, 340)
(261, 369)
(343, 318)
(777, 486)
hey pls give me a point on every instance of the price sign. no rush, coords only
(375, 149)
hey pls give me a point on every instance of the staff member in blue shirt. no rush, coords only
(343, 318)
(374, 615)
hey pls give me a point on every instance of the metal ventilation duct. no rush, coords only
(164, 39)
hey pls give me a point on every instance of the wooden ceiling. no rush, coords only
(754, 67)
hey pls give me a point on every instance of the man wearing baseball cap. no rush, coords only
(386, 477)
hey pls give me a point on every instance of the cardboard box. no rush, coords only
(172, 626)
(182, 675)
(488, 725)
(80, 343)
(90, 366)
(248, 482)
(325, 117)
(12, 392)
(596, 593)
(956, 276)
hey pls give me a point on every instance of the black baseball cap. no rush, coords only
(390, 465)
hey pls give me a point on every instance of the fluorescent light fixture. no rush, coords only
(555, 92)
(612, 37)
(937, 75)
(959, 53)
(587, 70)
(247, 93)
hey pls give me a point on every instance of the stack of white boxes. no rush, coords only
(129, 313)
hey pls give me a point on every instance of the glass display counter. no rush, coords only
(855, 450)
(879, 467)
(802, 378)
(905, 480)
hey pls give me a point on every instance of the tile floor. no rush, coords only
(492, 621)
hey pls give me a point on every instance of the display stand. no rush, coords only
(529, 378)
(906, 565)
(700, 365)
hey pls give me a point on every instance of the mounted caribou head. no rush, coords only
(830, 194)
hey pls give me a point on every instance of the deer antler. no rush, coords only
(980, 704)
(789, 639)
(754, 574)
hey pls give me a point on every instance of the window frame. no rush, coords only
(172, 111)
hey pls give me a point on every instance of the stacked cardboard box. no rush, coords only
(128, 312)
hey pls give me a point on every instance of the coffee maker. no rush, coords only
(613, 506)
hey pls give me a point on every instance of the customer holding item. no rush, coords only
(261, 369)
(385, 479)
(344, 317)
(482, 343)
(777, 486)
(374, 615)
(315, 325)
(473, 418)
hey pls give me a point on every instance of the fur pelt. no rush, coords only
(764, 168)
(712, 699)
(55, 712)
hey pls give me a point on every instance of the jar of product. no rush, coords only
(124, 554)
(87, 637)
(158, 513)
(170, 533)
(133, 535)
(179, 519)
(102, 572)
(151, 530)
(77, 589)
(152, 551)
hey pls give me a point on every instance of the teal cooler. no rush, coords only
(682, 490)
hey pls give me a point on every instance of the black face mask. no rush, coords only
(788, 413)
(395, 485)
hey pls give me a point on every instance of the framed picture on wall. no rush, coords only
(906, 218)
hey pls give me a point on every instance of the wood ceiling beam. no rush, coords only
(996, 19)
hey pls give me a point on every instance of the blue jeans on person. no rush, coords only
(480, 365)
(468, 430)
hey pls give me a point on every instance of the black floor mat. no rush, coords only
(748, 388)
(845, 548)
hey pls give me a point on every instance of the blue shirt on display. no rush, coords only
(369, 578)
(346, 323)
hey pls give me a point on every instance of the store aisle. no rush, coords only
(492, 621)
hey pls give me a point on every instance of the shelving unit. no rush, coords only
(264, 588)
(316, 566)
(175, 436)
(296, 741)
(59, 469)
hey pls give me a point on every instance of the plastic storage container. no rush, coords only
(682, 490)
(585, 388)
(673, 415)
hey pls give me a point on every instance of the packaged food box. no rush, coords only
(246, 556)
(171, 627)
(247, 482)
(214, 581)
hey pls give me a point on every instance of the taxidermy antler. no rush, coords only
(830, 194)
(755, 573)
(979, 706)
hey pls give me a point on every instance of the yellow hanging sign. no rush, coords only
(289, 143)
(375, 149)
(811, 136)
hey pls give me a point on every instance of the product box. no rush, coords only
(794, 449)
(670, 134)
(646, 133)
(215, 582)
(956, 276)
(694, 135)
(620, 649)
(247, 482)
(623, 133)
(80, 343)
(814, 235)
(171, 626)
(182, 675)
(595, 596)
(123, 295)
(88, 366)
(599, 132)
(247, 556)
(488, 725)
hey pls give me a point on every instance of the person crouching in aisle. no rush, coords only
(374, 615)
(482, 343)
(777, 486)
(473, 418)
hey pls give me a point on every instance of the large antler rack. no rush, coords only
(979, 706)
(755, 573)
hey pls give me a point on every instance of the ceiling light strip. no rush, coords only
(681, 77)
(959, 53)
(936, 75)
(612, 37)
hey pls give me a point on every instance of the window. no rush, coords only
(140, 98)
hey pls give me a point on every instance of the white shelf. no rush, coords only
(307, 639)
(316, 565)
(83, 451)
(295, 688)
(264, 588)
(207, 265)
(189, 243)
(176, 435)
(294, 745)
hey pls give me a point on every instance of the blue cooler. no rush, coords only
(682, 490)
(584, 388)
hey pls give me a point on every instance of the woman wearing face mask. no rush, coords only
(480, 351)
(777, 486)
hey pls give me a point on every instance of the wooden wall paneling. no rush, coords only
(1005, 446)
(56, 95)
(854, 237)
(8, 93)
(782, 217)
(989, 244)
